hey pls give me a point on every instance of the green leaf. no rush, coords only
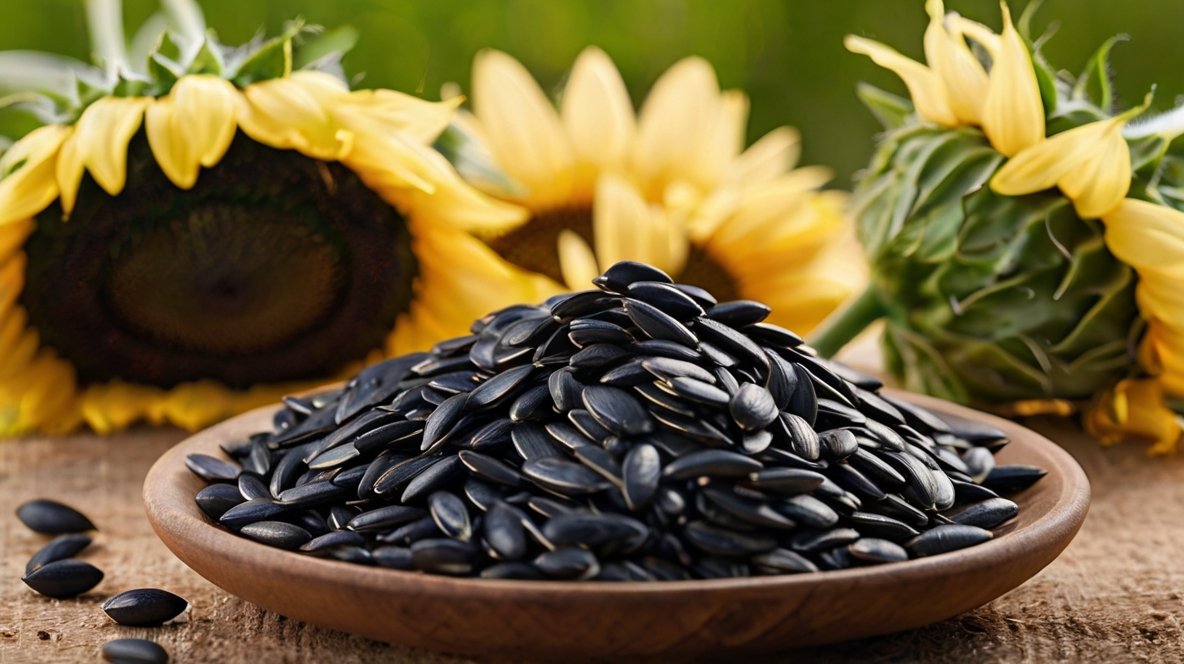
(318, 47)
(891, 110)
(263, 60)
(1094, 84)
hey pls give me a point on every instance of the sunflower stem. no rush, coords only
(845, 324)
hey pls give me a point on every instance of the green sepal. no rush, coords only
(261, 60)
(1094, 84)
(891, 110)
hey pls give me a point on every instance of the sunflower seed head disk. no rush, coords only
(635, 432)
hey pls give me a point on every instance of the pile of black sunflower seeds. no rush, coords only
(640, 431)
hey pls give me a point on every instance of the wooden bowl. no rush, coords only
(556, 619)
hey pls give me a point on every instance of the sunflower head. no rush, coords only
(199, 228)
(671, 184)
(1005, 214)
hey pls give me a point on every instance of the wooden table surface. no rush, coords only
(1116, 594)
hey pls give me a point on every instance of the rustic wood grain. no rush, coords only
(1116, 594)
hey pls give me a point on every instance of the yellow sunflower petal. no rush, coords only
(524, 132)
(29, 183)
(926, 88)
(194, 405)
(1099, 183)
(417, 119)
(975, 31)
(619, 208)
(950, 57)
(116, 405)
(1135, 408)
(1044, 164)
(597, 114)
(772, 155)
(38, 398)
(192, 126)
(292, 114)
(1013, 114)
(99, 143)
(12, 280)
(13, 236)
(576, 261)
(682, 110)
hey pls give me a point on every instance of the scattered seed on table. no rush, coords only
(145, 607)
(63, 579)
(59, 548)
(50, 517)
(134, 651)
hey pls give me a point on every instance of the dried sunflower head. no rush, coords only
(671, 185)
(1024, 239)
(200, 228)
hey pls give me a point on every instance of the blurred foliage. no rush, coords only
(786, 54)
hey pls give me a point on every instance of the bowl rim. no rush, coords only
(173, 513)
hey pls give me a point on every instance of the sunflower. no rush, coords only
(1026, 237)
(206, 228)
(671, 186)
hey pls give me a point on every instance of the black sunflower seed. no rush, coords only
(607, 534)
(134, 651)
(620, 276)
(873, 550)
(565, 477)
(432, 478)
(721, 542)
(990, 513)
(394, 557)
(496, 389)
(333, 540)
(784, 561)
(443, 556)
(215, 499)
(697, 391)
(145, 607)
(878, 525)
(568, 563)
(490, 468)
(733, 342)
(657, 324)
(450, 515)
(50, 517)
(400, 475)
(62, 579)
(1012, 478)
(279, 534)
(753, 407)
(533, 405)
(260, 509)
(617, 410)
(666, 297)
(807, 510)
(512, 570)
(504, 532)
(942, 539)
(641, 472)
(59, 548)
(712, 463)
(790, 481)
(664, 348)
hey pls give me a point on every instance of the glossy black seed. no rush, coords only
(441, 421)
(601, 462)
(134, 651)
(406, 432)
(400, 475)
(432, 478)
(504, 532)
(733, 342)
(878, 525)
(617, 410)
(312, 493)
(837, 444)
(394, 557)
(533, 405)
(332, 540)
(250, 486)
(565, 390)
(641, 473)
(739, 313)
(803, 440)
(50, 517)
(334, 457)
(384, 518)
(812, 542)
(873, 550)
(145, 607)
(62, 579)
(512, 570)
(411, 532)
(657, 324)
(697, 391)
(784, 561)
(712, 463)
(790, 481)
(1012, 478)
(990, 513)
(443, 556)
(565, 477)
(666, 297)
(804, 400)
(497, 389)
(808, 511)
(619, 276)
(490, 468)
(279, 534)
(721, 542)
(211, 469)
(942, 539)
(757, 513)
(260, 509)
(450, 515)
(59, 548)
(753, 407)
(664, 348)
(568, 563)
(215, 499)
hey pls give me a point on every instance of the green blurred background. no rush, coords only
(787, 54)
